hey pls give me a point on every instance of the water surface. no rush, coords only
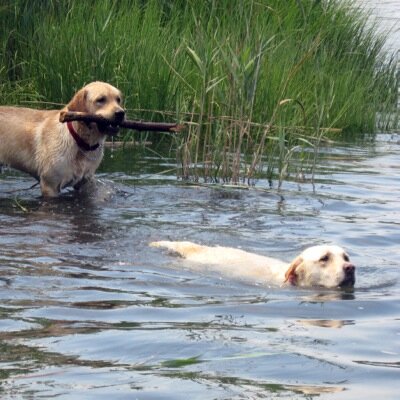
(387, 15)
(88, 310)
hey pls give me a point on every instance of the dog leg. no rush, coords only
(81, 183)
(48, 190)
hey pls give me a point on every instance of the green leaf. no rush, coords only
(196, 59)
(181, 362)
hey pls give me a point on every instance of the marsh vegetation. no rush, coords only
(259, 83)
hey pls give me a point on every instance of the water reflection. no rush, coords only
(325, 323)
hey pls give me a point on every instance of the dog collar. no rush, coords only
(79, 141)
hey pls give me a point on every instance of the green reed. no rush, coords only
(258, 82)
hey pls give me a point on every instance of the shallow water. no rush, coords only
(88, 310)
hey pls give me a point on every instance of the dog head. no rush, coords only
(102, 99)
(327, 266)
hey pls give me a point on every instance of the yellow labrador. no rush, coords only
(60, 154)
(327, 266)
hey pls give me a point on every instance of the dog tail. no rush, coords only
(184, 249)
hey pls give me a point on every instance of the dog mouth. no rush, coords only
(110, 129)
(111, 126)
(348, 281)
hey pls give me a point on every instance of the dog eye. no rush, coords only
(101, 100)
(119, 100)
(325, 258)
(346, 257)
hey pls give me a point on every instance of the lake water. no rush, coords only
(387, 15)
(89, 311)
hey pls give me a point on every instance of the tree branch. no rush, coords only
(67, 116)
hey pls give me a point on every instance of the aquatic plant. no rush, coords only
(258, 82)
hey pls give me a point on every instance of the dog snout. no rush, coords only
(349, 275)
(119, 115)
(349, 268)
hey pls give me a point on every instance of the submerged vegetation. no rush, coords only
(257, 81)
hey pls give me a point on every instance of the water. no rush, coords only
(88, 310)
(387, 15)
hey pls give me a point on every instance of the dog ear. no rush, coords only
(290, 275)
(78, 102)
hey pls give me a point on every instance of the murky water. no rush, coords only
(88, 310)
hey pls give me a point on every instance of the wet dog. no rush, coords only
(326, 266)
(60, 154)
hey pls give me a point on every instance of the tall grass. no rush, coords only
(256, 80)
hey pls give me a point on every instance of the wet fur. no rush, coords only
(326, 266)
(35, 142)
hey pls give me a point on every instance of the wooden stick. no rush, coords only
(67, 116)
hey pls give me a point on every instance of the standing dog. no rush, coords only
(327, 266)
(60, 154)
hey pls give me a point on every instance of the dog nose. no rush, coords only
(119, 115)
(349, 268)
